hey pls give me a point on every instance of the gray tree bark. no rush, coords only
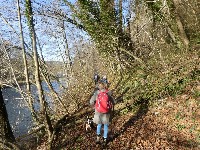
(67, 54)
(182, 32)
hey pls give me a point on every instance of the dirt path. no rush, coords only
(173, 124)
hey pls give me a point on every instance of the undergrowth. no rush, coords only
(156, 83)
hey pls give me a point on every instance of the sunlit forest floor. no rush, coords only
(170, 123)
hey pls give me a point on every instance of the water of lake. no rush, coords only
(19, 114)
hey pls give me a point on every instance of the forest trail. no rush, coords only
(174, 123)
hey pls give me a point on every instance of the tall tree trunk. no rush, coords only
(120, 19)
(67, 54)
(30, 102)
(5, 129)
(102, 23)
(183, 35)
(166, 13)
(43, 104)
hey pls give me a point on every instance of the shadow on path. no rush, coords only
(143, 109)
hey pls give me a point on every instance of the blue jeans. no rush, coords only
(105, 134)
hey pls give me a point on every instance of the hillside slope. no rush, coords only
(170, 123)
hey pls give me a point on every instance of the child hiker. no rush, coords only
(104, 103)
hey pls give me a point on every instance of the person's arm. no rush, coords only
(93, 98)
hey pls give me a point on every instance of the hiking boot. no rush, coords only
(98, 139)
(105, 141)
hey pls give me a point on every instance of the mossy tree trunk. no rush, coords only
(182, 32)
(103, 21)
(26, 72)
(43, 108)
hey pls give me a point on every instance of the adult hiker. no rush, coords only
(96, 78)
(103, 102)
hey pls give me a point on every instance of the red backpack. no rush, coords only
(103, 104)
